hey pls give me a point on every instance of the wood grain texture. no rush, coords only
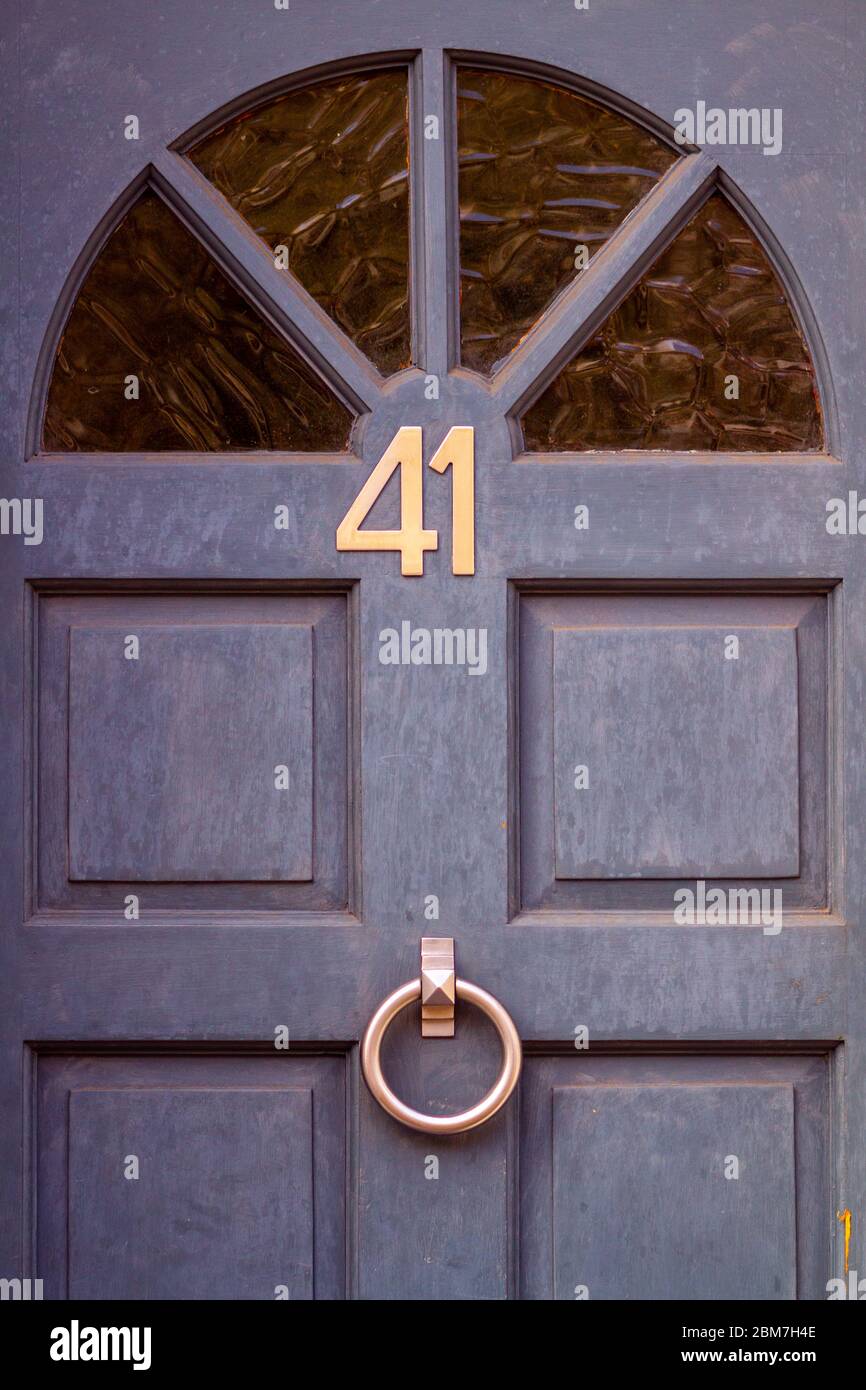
(623, 1186)
(691, 757)
(221, 1204)
(735, 752)
(178, 792)
(241, 1176)
(642, 1206)
(173, 755)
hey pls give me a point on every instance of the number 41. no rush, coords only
(456, 451)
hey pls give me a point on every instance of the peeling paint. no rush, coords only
(845, 1218)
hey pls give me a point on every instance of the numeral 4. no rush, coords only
(456, 451)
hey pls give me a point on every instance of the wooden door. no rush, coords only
(613, 753)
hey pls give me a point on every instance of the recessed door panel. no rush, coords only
(191, 1177)
(667, 726)
(691, 1176)
(193, 750)
(191, 753)
(657, 1156)
(668, 737)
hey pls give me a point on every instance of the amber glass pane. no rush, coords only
(542, 171)
(324, 172)
(212, 374)
(658, 374)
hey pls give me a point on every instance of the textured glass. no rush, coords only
(212, 374)
(657, 375)
(542, 171)
(323, 171)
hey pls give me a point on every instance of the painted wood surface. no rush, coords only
(427, 781)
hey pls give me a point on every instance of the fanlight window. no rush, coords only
(325, 172)
(703, 351)
(214, 374)
(543, 172)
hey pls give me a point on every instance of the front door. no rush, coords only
(430, 509)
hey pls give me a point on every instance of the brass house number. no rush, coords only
(457, 452)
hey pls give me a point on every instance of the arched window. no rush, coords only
(701, 351)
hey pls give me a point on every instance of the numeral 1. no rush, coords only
(457, 450)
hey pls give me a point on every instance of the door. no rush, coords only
(589, 707)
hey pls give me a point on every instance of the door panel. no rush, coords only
(192, 750)
(192, 1177)
(636, 1123)
(199, 688)
(679, 1177)
(671, 737)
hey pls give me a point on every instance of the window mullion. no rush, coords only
(576, 314)
(434, 213)
(276, 293)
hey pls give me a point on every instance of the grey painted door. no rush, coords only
(236, 790)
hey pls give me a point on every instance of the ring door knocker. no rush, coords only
(437, 987)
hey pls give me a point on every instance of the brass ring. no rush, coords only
(441, 1124)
